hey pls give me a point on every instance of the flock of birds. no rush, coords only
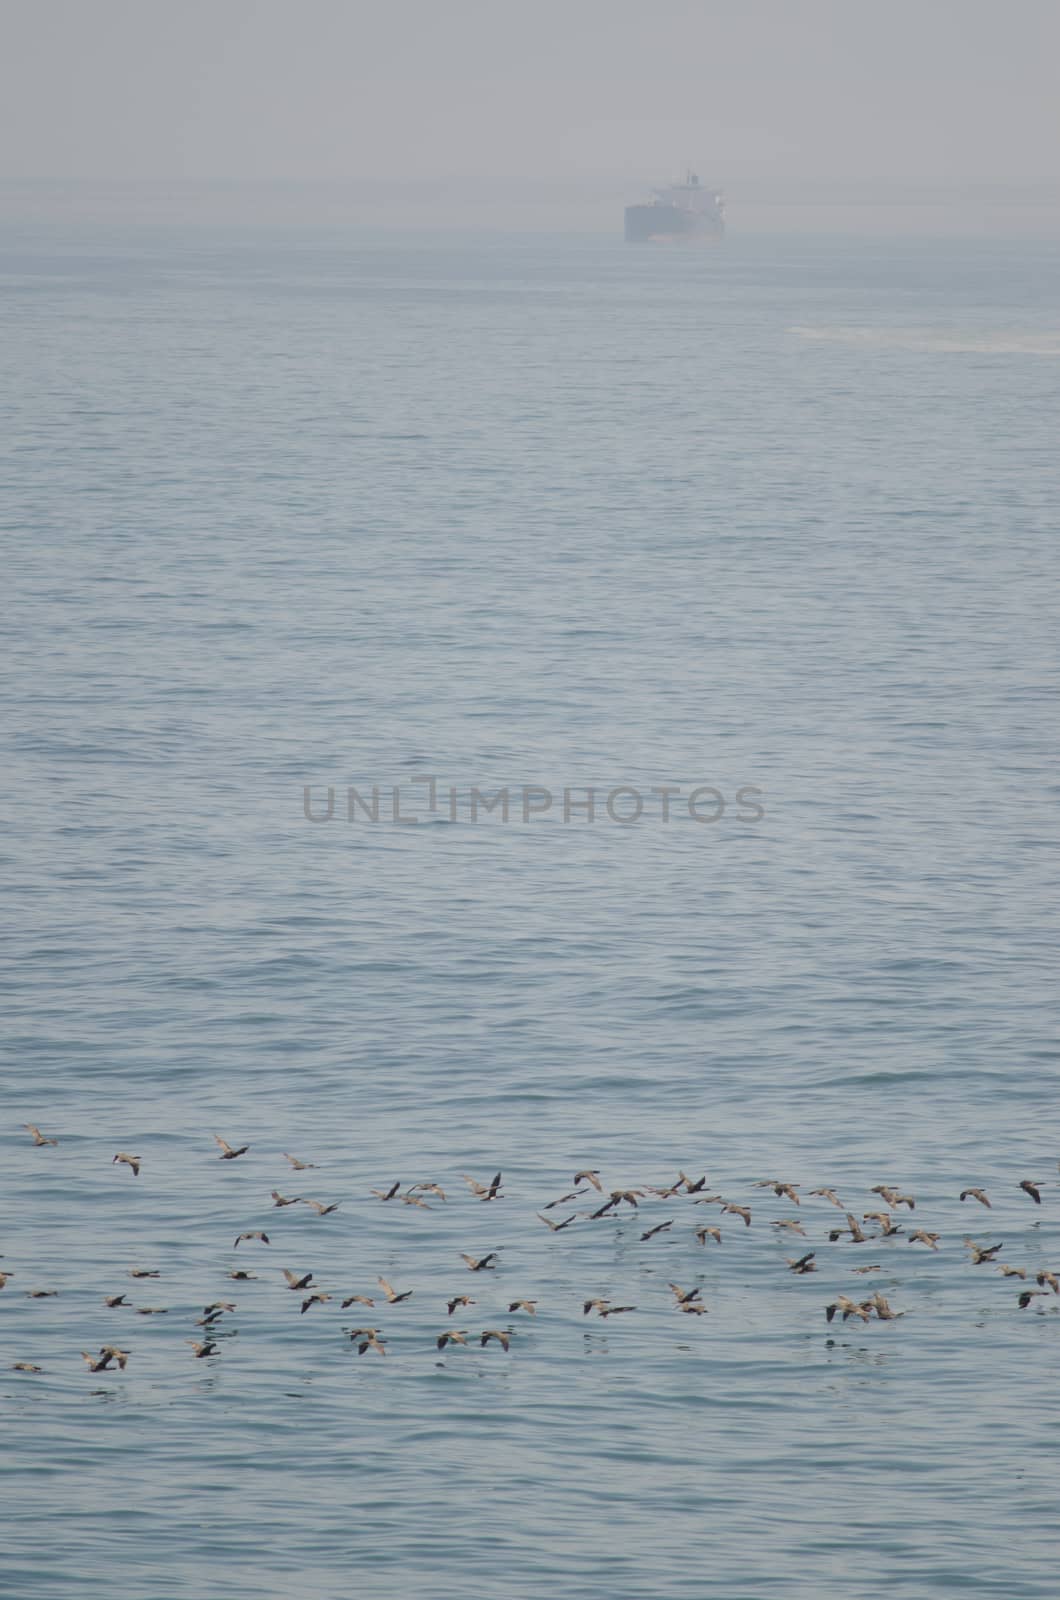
(891, 1219)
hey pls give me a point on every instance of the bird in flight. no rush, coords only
(314, 1299)
(981, 1253)
(483, 1191)
(393, 1298)
(481, 1264)
(387, 1194)
(228, 1153)
(36, 1135)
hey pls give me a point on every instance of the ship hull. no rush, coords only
(648, 223)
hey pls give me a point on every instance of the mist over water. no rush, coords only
(350, 509)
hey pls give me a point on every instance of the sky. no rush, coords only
(553, 108)
(952, 90)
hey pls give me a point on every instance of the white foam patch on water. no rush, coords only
(934, 342)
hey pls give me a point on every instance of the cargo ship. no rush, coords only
(686, 211)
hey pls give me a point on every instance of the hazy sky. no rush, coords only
(331, 89)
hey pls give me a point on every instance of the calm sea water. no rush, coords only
(292, 509)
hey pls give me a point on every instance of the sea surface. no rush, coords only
(290, 511)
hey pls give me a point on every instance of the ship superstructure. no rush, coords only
(687, 211)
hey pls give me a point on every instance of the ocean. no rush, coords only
(341, 566)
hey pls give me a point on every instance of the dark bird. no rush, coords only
(594, 1305)
(129, 1161)
(299, 1166)
(981, 1253)
(357, 1300)
(113, 1300)
(244, 1277)
(4, 1277)
(563, 1200)
(921, 1236)
(1032, 1188)
(660, 1227)
(143, 1272)
(370, 1341)
(393, 1298)
(683, 1296)
(257, 1234)
(99, 1363)
(739, 1211)
(882, 1309)
(690, 1187)
(854, 1229)
(1050, 1279)
(849, 1308)
(203, 1349)
(387, 1194)
(893, 1197)
(557, 1227)
(36, 1135)
(315, 1299)
(501, 1337)
(428, 1188)
(692, 1309)
(874, 1268)
(779, 1189)
(459, 1300)
(829, 1195)
(320, 1208)
(227, 1152)
(804, 1263)
(25, 1366)
(484, 1191)
(703, 1234)
(589, 1175)
(411, 1199)
(790, 1225)
(279, 1199)
(152, 1311)
(480, 1265)
(457, 1336)
(529, 1306)
(976, 1194)
(1027, 1295)
(296, 1281)
(1010, 1272)
(616, 1311)
(41, 1294)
